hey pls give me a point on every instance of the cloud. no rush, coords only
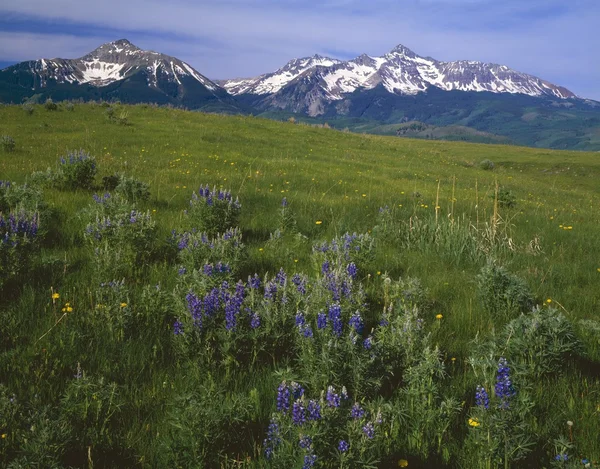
(231, 38)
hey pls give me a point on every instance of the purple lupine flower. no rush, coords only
(307, 331)
(300, 283)
(254, 282)
(182, 270)
(284, 202)
(321, 321)
(357, 411)
(325, 267)
(343, 446)
(300, 320)
(177, 328)
(352, 270)
(356, 322)
(281, 277)
(298, 413)
(504, 388)
(254, 321)
(305, 442)
(333, 399)
(368, 343)
(309, 461)
(481, 398)
(313, 410)
(369, 430)
(195, 307)
(297, 390)
(283, 397)
(335, 317)
(273, 439)
(270, 290)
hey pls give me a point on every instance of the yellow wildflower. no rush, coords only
(55, 296)
(318, 222)
(549, 300)
(123, 305)
(4, 435)
(474, 423)
(439, 316)
(402, 463)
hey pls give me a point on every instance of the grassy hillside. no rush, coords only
(111, 383)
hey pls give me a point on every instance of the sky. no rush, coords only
(556, 40)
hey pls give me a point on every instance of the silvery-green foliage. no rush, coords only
(120, 236)
(539, 342)
(132, 189)
(213, 210)
(501, 293)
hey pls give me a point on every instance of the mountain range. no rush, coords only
(399, 93)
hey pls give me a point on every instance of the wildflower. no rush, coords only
(357, 411)
(504, 388)
(335, 317)
(474, 423)
(439, 316)
(123, 305)
(55, 296)
(298, 413)
(305, 442)
(4, 435)
(283, 397)
(356, 322)
(177, 328)
(333, 399)
(343, 446)
(368, 343)
(309, 461)
(369, 430)
(67, 308)
(318, 222)
(273, 439)
(313, 410)
(254, 321)
(308, 332)
(561, 457)
(402, 463)
(481, 398)
(352, 270)
(321, 321)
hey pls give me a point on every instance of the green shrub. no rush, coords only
(8, 143)
(76, 171)
(213, 211)
(28, 108)
(506, 198)
(50, 105)
(487, 165)
(132, 189)
(501, 293)
(540, 342)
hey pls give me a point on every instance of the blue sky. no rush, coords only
(556, 40)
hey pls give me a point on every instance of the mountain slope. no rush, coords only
(117, 70)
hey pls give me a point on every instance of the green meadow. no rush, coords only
(466, 255)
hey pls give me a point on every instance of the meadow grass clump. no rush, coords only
(8, 143)
(502, 293)
(28, 108)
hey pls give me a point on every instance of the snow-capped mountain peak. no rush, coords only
(116, 61)
(399, 71)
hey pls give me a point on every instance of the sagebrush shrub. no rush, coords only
(28, 108)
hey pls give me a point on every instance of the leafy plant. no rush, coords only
(502, 293)
(8, 143)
